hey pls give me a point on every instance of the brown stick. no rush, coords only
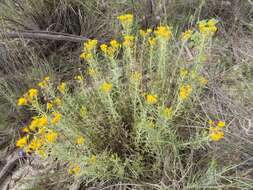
(43, 36)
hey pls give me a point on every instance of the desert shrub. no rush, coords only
(126, 116)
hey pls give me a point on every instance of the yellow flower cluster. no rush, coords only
(152, 41)
(151, 99)
(106, 87)
(185, 91)
(136, 76)
(167, 112)
(215, 130)
(110, 51)
(62, 87)
(78, 78)
(44, 83)
(144, 33)
(208, 28)
(88, 49)
(28, 97)
(126, 20)
(186, 35)
(128, 40)
(163, 32)
(74, 169)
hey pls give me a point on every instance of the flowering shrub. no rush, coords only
(119, 118)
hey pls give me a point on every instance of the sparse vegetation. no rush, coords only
(158, 96)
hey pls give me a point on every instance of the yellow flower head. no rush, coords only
(128, 41)
(136, 76)
(42, 122)
(62, 87)
(185, 91)
(221, 124)
(187, 35)
(35, 144)
(22, 101)
(41, 153)
(57, 101)
(216, 134)
(74, 169)
(106, 87)
(202, 80)
(32, 93)
(51, 136)
(207, 28)
(93, 159)
(56, 117)
(83, 111)
(167, 113)
(86, 56)
(104, 48)
(152, 41)
(34, 124)
(22, 142)
(163, 32)
(126, 20)
(26, 130)
(115, 44)
(49, 106)
(151, 99)
(144, 33)
(92, 72)
(79, 78)
(183, 73)
(90, 45)
(44, 83)
(80, 140)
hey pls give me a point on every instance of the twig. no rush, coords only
(42, 35)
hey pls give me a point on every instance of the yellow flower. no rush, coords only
(22, 101)
(80, 141)
(22, 142)
(34, 124)
(25, 130)
(92, 72)
(56, 117)
(104, 48)
(74, 169)
(220, 124)
(187, 35)
(128, 40)
(90, 45)
(115, 44)
(143, 33)
(83, 111)
(51, 136)
(34, 145)
(41, 153)
(163, 32)
(203, 80)
(62, 87)
(185, 91)
(93, 159)
(152, 41)
(42, 121)
(79, 78)
(151, 99)
(216, 134)
(86, 56)
(49, 105)
(183, 73)
(44, 82)
(106, 87)
(126, 20)
(136, 76)
(32, 93)
(207, 28)
(167, 112)
(57, 101)
(212, 22)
